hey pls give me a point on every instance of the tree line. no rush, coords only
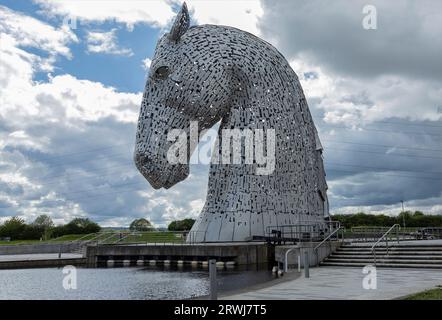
(177, 225)
(43, 228)
(411, 219)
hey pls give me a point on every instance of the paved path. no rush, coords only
(38, 256)
(346, 283)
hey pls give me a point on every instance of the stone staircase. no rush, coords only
(401, 255)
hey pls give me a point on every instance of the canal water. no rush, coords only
(134, 283)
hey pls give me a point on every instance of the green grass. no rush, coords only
(110, 237)
(156, 236)
(73, 237)
(432, 294)
(6, 243)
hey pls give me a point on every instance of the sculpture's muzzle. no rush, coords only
(152, 146)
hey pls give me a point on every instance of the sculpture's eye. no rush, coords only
(161, 72)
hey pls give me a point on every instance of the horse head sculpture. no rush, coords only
(209, 74)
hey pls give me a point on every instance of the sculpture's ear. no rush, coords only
(181, 24)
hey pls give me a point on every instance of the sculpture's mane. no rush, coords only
(217, 29)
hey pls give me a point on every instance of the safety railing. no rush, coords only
(301, 232)
(333, 227)
(327, 240)
(139, 238)
(385, 237)
(153, 238)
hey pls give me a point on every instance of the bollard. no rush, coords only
(299, 263)
(306, 265)
(212, 276)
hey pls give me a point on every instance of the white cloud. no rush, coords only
(242, 14)
(374, 95)
(63, 97)
(358, 101)
(45, 128)
(153, 12)
(406, 41)
(146, 63)
(27, 31)
(105, 42)
(28, 108)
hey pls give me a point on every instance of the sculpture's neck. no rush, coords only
(271, 104)
(267, 101)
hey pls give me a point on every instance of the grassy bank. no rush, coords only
(432, 294)
(110, 237)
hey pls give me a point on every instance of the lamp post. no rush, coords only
(403, 214)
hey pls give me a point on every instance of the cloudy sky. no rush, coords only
(71, 80)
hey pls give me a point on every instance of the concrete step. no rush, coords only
(424, 248)
(382, 265)
(414, 247)
(391, 256)
(384, 260)
(417, 253)
(391, 251)
(397, 256)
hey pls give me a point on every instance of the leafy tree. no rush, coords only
(32, 232)
(80, 226)
(45, 224)
(58, 231)
(140, 225)
(181, 225)
(13, 228)
(43, 221)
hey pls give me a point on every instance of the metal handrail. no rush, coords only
(286, 262)
(127, 235)
(326, 238)
(301, 232)
(338, 224)
(315, 249)
(373, 248)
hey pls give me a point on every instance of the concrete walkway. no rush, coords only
(38, 256)
(328, 283)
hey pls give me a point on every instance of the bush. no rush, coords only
(32, 232)
(16, 229)
(181, 225)
(58, 231)
(81, 226)
(13, 228)
(76, 226)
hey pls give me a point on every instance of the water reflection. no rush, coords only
(134, 283)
